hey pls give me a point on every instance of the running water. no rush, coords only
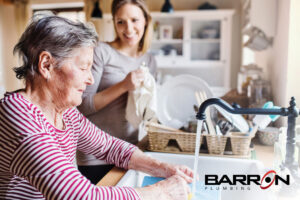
(197, 150)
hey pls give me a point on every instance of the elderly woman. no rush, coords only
(40, 127)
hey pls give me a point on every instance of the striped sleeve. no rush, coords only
(94, 141)
(39, 160)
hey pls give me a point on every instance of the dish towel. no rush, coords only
(141, 103)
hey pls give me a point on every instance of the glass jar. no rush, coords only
(259, 92)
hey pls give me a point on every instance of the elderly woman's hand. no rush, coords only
(142, 162)
(167, 170)
(175, 187)
(172, 188)
(134, 79)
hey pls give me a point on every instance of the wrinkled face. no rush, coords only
(130, 24)
(71, 78)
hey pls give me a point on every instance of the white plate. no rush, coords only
(176, 98)
(237, 120)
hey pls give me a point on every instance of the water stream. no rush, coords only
(197, 150)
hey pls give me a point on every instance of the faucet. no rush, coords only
(291, 112)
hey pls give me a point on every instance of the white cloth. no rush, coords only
(141, 103)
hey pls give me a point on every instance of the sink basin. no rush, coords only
(212, 165)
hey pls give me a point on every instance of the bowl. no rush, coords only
(268, 136)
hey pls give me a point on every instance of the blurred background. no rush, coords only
(260, 52)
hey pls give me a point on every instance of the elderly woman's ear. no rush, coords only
(45, 65)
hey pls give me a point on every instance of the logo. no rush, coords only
(265, 182)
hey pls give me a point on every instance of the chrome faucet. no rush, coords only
(291, 112)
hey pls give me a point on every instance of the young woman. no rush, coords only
(115, 70)
(41, 129)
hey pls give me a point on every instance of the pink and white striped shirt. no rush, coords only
(36, 159)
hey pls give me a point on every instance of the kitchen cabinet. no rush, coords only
(200, 44)
(188, 42)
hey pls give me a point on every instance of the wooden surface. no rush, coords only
(112, 177)
(233, 97)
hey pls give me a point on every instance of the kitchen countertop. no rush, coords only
(265, 154)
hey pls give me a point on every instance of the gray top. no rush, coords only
(109, 68)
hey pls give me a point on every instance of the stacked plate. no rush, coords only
(176, 98)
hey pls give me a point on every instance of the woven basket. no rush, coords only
(240, 143)
(216, 144)
(160, 137)
(159, 140)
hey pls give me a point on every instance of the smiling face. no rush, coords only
(68, 82)
(130, 24)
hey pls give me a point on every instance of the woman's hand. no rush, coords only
(175, 187)
(167, 170)
(142, 162)
(172, 188)
(133, 80)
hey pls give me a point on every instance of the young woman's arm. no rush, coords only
(132, 81)
(92, 99)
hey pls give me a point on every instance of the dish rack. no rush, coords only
(165, 139)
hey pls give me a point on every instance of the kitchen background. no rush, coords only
(277, 19)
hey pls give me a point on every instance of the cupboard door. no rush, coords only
(205, 42)
(168, 39)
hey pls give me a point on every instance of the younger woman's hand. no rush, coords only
(134, 80)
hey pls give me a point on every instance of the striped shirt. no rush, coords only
(36, 159)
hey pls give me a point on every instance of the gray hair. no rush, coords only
(54, 34)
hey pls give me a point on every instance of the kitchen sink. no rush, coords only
(213, 166)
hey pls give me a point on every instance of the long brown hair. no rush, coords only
(147, 37)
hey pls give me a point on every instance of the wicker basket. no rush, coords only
(216, 144)
(240, 143)
(159, 137)
(159, 140)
